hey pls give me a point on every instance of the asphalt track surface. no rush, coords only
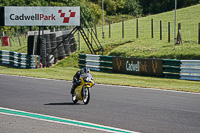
(130, 108)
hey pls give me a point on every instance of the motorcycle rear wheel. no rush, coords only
(86, 95)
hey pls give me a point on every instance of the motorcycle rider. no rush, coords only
(76, 79)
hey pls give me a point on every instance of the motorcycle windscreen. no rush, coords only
(86, 77)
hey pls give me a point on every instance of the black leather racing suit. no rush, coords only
(76, 81)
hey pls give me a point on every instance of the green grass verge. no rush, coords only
(107, 78)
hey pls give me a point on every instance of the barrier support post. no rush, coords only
(151, 28)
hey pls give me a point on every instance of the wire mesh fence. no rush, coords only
(127, 30)
(160, 31)
(14, 38)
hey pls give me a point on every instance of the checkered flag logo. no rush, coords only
(66, 19)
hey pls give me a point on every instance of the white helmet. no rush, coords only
(86, 70)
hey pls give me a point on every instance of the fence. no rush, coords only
(149, 28)
(21, 60)
(15, 38)
(95, 62)
(178, 69)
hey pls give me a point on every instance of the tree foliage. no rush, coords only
(133, 7)
(96, 11)
(85, 9)
(158, 6)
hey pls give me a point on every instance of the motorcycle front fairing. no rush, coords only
(87, 79)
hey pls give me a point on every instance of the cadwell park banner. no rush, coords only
(39, 16)
(149, 67)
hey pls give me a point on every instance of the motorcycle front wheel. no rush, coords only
(74, 99)
(86, 95)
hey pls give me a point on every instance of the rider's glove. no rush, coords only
(79, 81)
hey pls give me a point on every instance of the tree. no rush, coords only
(145, 5)
(132, 7)
(96, 11)
(158, 6)
(185, 3)
(110, 7)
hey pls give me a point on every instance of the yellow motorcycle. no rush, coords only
(82, 92)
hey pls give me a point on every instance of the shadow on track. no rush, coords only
(63, 104)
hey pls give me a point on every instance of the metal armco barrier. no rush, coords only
(96, 62)
(190, 70)
(167, 68)
(21, 60)
(148, 67)
(171, 68)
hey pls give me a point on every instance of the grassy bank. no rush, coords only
(155, 49)
(107, 78)
(147, 47)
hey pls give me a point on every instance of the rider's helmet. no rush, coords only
(86, 70)
(81, 71)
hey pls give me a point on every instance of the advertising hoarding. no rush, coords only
(41, 16)
(148, 67)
